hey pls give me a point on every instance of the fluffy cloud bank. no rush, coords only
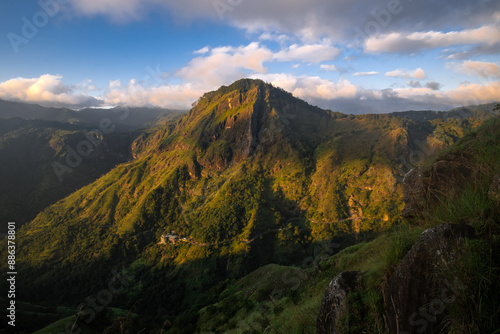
(169, 96)
(339, 95)
(226, 64)
(47, 90)
(418, 41)
(311, 53)
(310, 88)
(406, 74)
(483, 69)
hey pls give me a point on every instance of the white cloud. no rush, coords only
(46, 90)
(115, 83)
(118, 10)
(465, 94)
(330, 67)
(417, 41)
(226, 64)
(309, 87)
(316, 87)
(416, 93)
(407, 74)
(478, 68)
(202, 50)
(364, 74)
(269, 36)
(309, 53)
(400, 99)
(211, 69)
(476, 93)
(168, 96)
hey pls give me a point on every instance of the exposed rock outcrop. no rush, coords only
(421, 186)
(416, 293)
(334, 303)
(449, 174)
(414, 189)
(494, 192)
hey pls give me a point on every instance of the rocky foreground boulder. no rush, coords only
(334, 303)
(420, 287)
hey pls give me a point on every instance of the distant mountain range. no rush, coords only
(251, 175)
(124, 118)
(34, 138)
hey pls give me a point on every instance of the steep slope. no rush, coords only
(250, 176)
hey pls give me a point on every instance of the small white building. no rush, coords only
(169, 238)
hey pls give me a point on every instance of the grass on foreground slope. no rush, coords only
(478, 267)
(280, 299)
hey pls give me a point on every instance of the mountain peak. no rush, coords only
(249, 116)
(242, 86)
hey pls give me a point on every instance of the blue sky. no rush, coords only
(352, 56)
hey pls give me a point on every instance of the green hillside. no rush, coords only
(278, 299)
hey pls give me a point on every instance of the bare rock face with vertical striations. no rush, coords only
(414, 190)
(416, 293)
(449, 174)
(422, 186)
(334, 303)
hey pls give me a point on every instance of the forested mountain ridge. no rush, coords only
(34, 171)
